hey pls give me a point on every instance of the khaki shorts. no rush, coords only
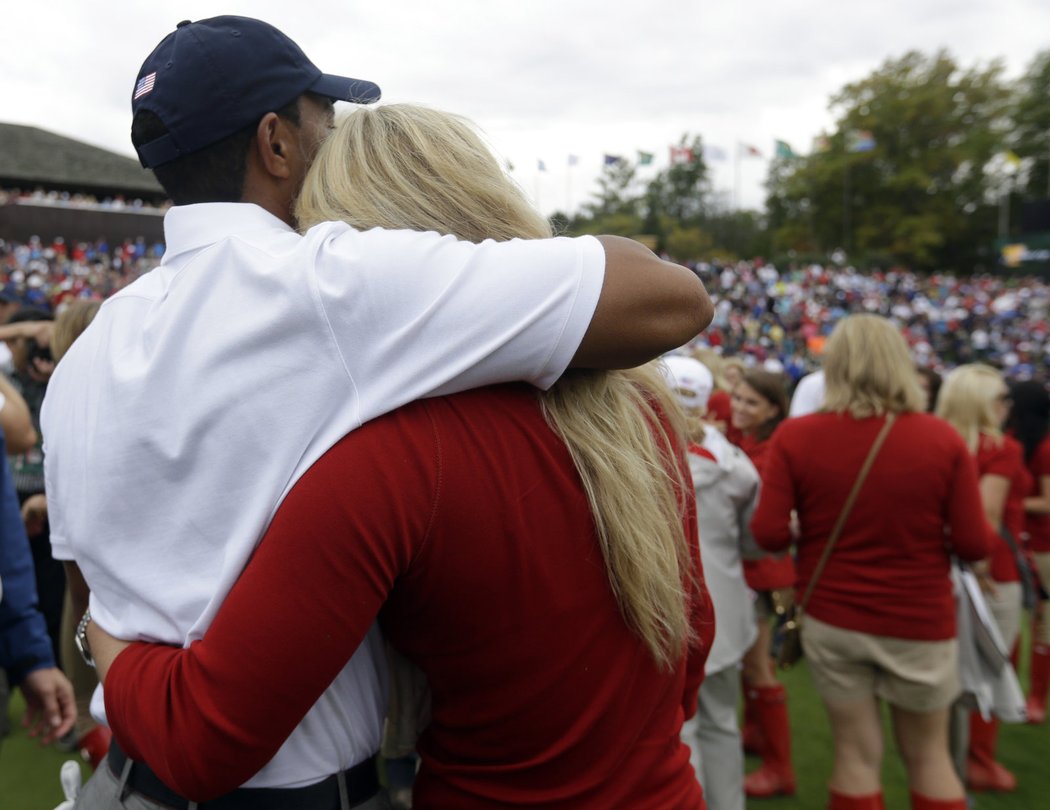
(848, 666)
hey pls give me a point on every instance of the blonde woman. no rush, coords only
(976, 401)
(880, 625)
(534, 555)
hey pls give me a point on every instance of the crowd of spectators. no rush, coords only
(67, 199)
(45, 273)
(781, 319)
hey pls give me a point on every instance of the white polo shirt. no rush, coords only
(178, 421)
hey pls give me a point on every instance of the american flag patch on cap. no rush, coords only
(145, 85)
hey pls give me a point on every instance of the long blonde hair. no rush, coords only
(868, 370)
(406, 166)
(71, 321)
(967, 401)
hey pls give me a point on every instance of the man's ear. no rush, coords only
(274, 145)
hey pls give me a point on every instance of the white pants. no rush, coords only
(713, 737)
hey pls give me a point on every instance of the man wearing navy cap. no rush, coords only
(178, 421)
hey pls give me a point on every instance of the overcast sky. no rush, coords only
(544, 79)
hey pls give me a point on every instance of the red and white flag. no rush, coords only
(681, 155)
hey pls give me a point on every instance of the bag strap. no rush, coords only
(847, 508)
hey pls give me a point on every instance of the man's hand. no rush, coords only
(51, 708)
(34, 514)
(104, 649)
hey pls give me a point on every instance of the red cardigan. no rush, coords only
(461, 521)
(888, 573)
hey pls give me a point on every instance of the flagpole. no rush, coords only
(568, 191)
(736, 180)
(845, 190)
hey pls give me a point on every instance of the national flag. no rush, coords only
(783, 150)
(715, 153)
(860, 140)
(541, 166)
(1012, 158)
(144, 86)
(645, 158)
(612, 160)
(574, 159)
(680, 155)
(747, 150)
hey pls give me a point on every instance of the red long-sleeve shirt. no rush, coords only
(888, 572)
(1005, 458)
(1038, 526)
(464, 520)
(769, 573)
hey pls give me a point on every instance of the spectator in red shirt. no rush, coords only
(560, 618)
(976, 401)
(759, 403)
(1030, 424)
(881, 621)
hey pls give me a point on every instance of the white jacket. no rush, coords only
(726, 494)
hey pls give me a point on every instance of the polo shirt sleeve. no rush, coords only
(418, 314)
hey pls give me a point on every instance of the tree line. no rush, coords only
(928, 162)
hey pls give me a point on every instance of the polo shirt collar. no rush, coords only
(190, 227)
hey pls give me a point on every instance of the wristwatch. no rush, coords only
(81, 640)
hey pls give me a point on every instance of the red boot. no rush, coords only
(751, 732)
(775, 777)
(840, 801)
(983, 773)
(920, 802)
(1040, 672)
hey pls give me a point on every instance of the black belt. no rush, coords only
(362, 783)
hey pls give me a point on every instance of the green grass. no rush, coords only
(29, 773)
(1025, 750)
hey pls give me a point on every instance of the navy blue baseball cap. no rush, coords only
(211, 78)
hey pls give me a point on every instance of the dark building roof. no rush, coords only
(31, 158)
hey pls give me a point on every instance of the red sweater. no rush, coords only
(768, 573)
(462, 520)
(1005, 458)
(1038, 526)
(888, 573)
